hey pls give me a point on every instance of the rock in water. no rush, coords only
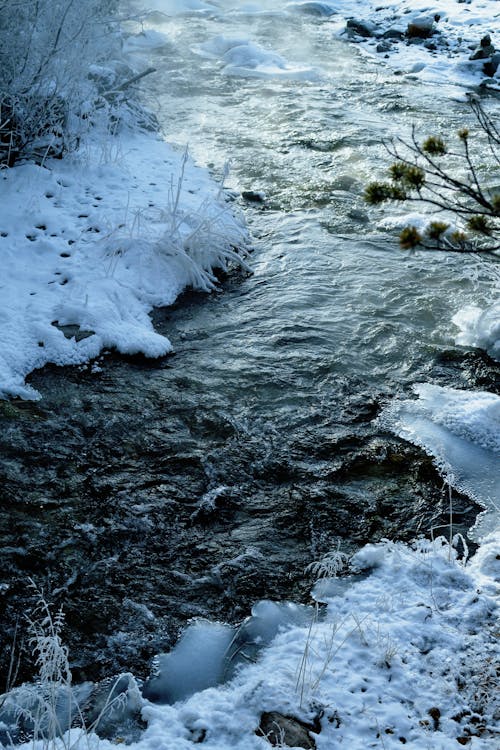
(486, 49)
(361, 28)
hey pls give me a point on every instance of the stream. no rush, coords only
(149, 492)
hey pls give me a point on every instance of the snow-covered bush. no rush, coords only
(48, 49)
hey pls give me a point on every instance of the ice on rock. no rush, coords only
(242, 57)
(461, 429)
(258, 630)
(369, 557)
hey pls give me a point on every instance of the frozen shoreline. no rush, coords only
(92, 243)
(406, 652)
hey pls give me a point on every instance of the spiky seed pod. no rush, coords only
(463, 134)
(436, 229)
(397, 170)
(398, 194)
(378, 192)
(414, 178)
(480, 224)
(495, 201)
(410, 237)
(458, 238)
(434, 145)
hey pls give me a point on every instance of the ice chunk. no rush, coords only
(196, 663)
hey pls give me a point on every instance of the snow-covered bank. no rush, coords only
(443, 57)
(93, 242)
(405, 653)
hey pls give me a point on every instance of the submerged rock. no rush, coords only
(486, 51)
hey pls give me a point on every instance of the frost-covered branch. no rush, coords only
(449, 181)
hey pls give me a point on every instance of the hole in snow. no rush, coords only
(65, 255)
(41, 226)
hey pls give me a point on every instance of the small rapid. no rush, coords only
(329, 284)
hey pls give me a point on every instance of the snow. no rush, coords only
(461, 429)
(95, 241)
(480, 328)
(407, 654)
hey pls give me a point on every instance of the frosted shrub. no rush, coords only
(330, 566)
(202, 239)
(50, 711)
(47, 50)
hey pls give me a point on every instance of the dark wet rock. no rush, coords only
(254, 196)
(384, 46)
(364, 29)
(280, 730)
(491, 66)
(73, 331)
(422, 28)
(393, 33)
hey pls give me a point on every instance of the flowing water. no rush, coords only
(152, 492)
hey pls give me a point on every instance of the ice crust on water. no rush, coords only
(461, 429)
(242, 57)
(197, 662)
(209, 653)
